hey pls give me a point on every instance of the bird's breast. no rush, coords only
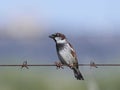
(65, 56)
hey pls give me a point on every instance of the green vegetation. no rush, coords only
(51, 79)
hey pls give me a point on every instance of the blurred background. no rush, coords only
(91, 26)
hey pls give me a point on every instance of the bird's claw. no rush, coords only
(59, 65)
(70, 65)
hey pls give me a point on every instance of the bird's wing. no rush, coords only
(73, 53)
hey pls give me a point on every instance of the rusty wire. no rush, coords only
(92, 64)
(5, 65)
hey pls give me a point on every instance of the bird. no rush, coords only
(66, 54)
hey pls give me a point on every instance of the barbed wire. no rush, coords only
(92, 64)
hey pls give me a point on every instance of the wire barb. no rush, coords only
(24, 65)
(92, 64)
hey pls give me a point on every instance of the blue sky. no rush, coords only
(77, 16)
(94, 14)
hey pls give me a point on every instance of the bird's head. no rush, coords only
(58, 38)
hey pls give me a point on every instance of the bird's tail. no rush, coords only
(78, 74)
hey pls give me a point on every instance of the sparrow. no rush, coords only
(66, 54)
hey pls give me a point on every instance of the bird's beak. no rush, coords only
(52, 36)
